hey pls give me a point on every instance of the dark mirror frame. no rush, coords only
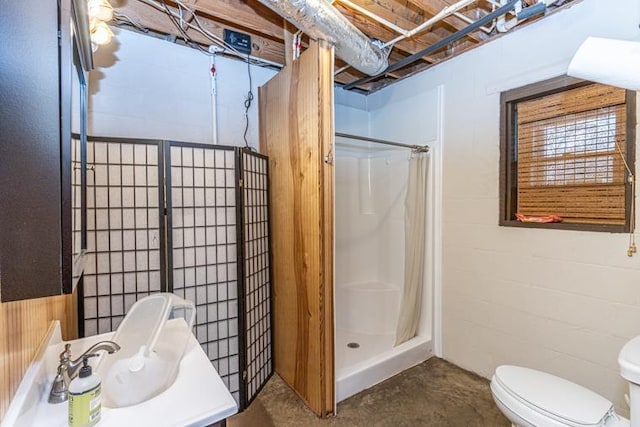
(79, 254)
(81, 60)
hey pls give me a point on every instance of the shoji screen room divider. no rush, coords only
(191, 219)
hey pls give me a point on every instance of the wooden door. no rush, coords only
(296, 132)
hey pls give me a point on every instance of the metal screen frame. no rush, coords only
(218, 321)
(223, 198)
(255, 238)
(107, 308)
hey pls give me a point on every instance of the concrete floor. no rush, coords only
(434, 393)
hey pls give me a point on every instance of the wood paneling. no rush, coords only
(296, 131)
(22, 327)
(327, 136)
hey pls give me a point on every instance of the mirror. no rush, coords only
(78, 166)
(82, 63)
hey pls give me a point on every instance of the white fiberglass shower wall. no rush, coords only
(370, 191)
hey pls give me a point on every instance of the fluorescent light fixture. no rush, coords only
(608, 61)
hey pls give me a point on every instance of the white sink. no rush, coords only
(198, 397)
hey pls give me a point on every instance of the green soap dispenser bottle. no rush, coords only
(85, 400)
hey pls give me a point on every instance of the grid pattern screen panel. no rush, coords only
(257, 297)
(124, 230)
(204, 255)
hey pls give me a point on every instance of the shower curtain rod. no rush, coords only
(419, 148)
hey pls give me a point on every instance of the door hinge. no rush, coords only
(328, 159)
(244, 375)
(241, 183)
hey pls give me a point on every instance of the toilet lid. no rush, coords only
(554, 395)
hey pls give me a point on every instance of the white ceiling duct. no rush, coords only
(320, 20)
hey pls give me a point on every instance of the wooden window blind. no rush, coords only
(569, 147)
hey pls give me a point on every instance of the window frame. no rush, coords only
(508, 152)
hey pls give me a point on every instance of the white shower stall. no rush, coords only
(371, 181)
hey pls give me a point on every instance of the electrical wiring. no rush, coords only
(185, 36)
(631, 179)
(163, 7)
(197, 26)
(247, 104)
(182, 25)
(122, 19)
(297, 44)
(206, 32)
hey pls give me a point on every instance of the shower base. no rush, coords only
(366, 317)
(374, 360)
(369, 346)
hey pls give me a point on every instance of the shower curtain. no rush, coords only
(414, 247)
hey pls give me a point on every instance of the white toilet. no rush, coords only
(531, 398)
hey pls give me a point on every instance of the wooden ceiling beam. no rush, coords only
(349, 75)
(266, 24)
(158, 21)
(344, 78)
(405, 17)
(433, 7)
(376, 31)
(385, 9)
(249, 14)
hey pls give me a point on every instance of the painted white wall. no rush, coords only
(351, 115)
(232, 86)
(145, 87)
(560, 301)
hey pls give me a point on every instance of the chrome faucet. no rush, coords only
(68, 369)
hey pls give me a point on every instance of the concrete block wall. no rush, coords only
(559, 301)
(144, 87)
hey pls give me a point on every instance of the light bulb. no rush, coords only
(93, 21)
(101, 34)
(100, 9)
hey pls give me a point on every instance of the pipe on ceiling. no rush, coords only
(508, 7)
(534, 8)
(320, 20)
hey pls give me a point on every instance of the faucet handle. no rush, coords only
(66, 354)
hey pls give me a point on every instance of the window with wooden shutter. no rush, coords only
(564, 147)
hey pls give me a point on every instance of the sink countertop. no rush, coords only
(198, 397)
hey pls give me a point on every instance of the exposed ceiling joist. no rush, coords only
(267, 29)
(149, 17)
(249, 14)
(432, 7)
